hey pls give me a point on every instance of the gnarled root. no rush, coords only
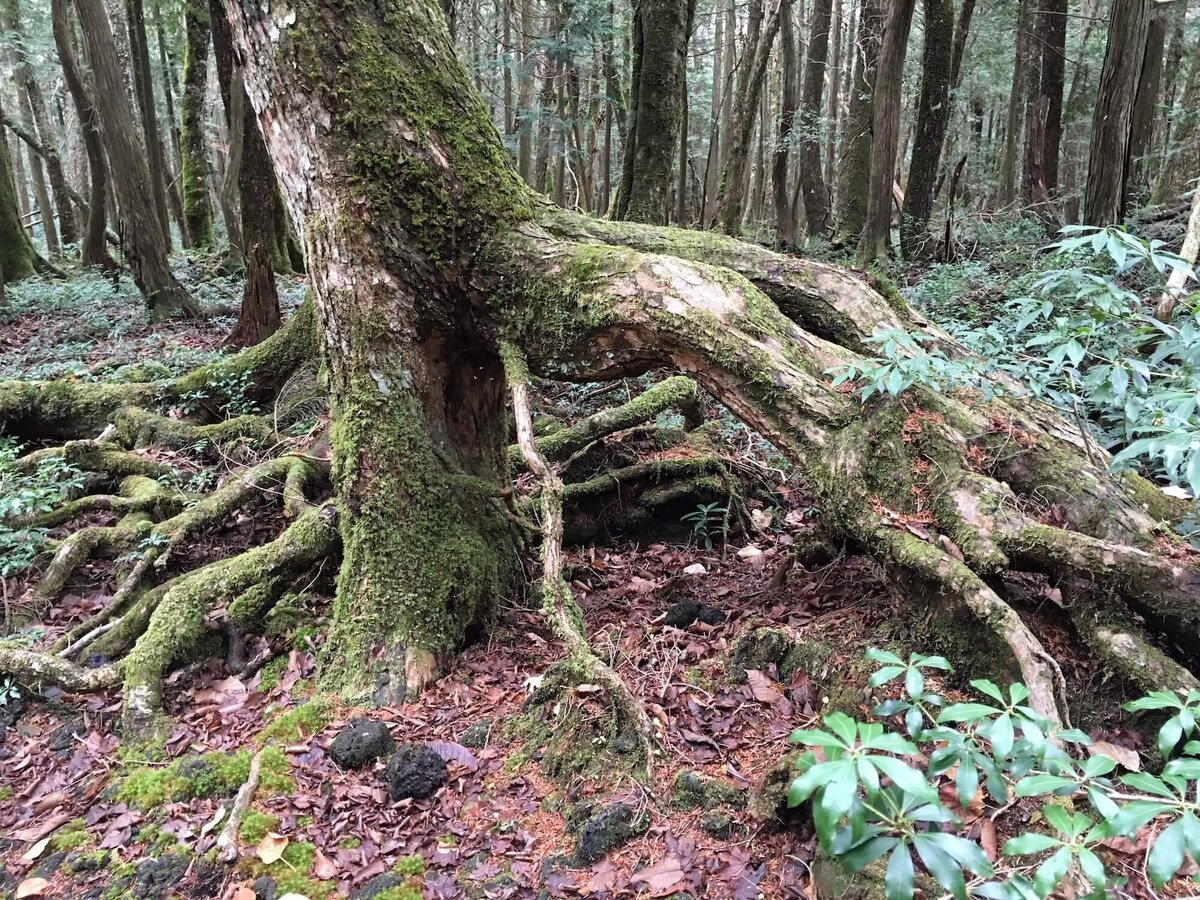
(36, 669)
(558, 605)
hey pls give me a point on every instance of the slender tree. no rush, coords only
(1183, 156)
(1108, 160)
(854, 159)
(812, 182)
(143, 86)
(193, 142)
(785, 211)
(1007, 189)
(17, 256)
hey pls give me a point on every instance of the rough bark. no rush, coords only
(785, 210)
(143, 87)
(1184, 153)
(854, 163)
(1149, 83)
(812, 183)
(1108, 158)
(196, 169)
(656, 111)
(875, 240)
(17, 255)
(1007, 189)
(1052, 34)
(94, 251)
(141, 228)
(933, 114)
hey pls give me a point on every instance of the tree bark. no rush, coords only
(1145, 102)
(785, 212)
(94, 251)
(1053, 36)
(933, 113)
(816, 192)
(193, 142)
(1108, 159)
(143, 85)
(854, 162)
(875, 240)
(141, 228)
(1007, 189)
(660, 40)
(17, 256)
(1183, 156)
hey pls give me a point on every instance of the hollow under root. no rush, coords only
(558, 605)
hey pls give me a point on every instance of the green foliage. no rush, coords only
(877, 792)
(24, 494)
(707, 520)
(9, 691)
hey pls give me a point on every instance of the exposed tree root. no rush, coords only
(141, 428)
(227, 840)
(558, 605)
(37, 669)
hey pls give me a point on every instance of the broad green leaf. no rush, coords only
(891, 743)
(1154, 700)
(1051, 872)
(884, 675)
(1092, 867)
(1169, 735)
(867, 776)
(1147, 784)
(966, 782)
(843, 726)
(966, 712)
(1132, 816)
(941, 865)
(1166, 856)
(905, 777)
(914, 682)
(899, 882)
(935, 662)
(875, 654)
(1001, 736)
(858, 858)
(967, 853)
(1030, 842)
(813, 738)
(987, 687)
(1033, 785)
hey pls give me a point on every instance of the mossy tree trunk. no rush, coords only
(854, 162)
(17, 256)
(193, 142)
(661, 29)
(812, 183)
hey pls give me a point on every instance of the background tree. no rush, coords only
(812, 181)
(193, 142)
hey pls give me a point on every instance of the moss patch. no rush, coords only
(299, 723)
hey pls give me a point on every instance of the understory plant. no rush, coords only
(897, 787)
(24, 493)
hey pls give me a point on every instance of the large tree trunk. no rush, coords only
(933, 112)
(1052, 35)
(1006, 192)
(816, 193)
(17, 256)
(660, 41)
(1183, 155)
(785, 210)
(94, 251)
(1108, 159)
(141, 227)
(875, 240)
(854, 162)
(1145, 103)
(193, 142)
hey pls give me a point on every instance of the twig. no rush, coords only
(227, 846)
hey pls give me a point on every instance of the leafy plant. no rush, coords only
(9, 691)
(707, 520)
(24, 493)
(876, 792)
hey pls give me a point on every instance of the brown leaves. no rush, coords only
(1122, 756)
(324, 867)
(31, 887)
(270, 848)
(763, 687)
(457, 753)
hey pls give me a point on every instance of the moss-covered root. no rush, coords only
(945, 578)
(1123, 649)
(137, 427)
(558, 605)
(36, 669)
(100, 457)
(178, 620)
(676, 392)
(227, 840)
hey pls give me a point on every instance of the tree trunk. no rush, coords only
(875, 240)
(816, 192)
(37, 176)
(1007, 189)
(933, 113)
(1184, 155)
(1052, 35)
(141, 228)
(94, 251)
(1145, 102)
(17, 256)
(785, 212)
(193, 142)
(1108, 159)
(854, 163)
(833, 108)
(660, 40)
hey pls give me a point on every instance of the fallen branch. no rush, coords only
(227, 845)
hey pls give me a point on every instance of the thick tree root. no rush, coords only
(558, 605)
(137, 427)
(37, 669)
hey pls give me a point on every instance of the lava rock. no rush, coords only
(65, 736)
(9, 713)
(264, 888)
(376, 885)
(693, 791)
(48, 866)
(360, 742)
(685, 612)
(758, 648)
(476, 736)
(415, 771)
(613, 826)
(88, 862)
(156, 877)
(718, 823)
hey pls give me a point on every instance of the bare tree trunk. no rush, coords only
(785, 212)
(832, 109)
(94, 251)
(525, 97)
(141, 231)
(1108, 162)
(1007, 189)
(875, 240)
(1184, 155)
(144, 89)
(854, 163)
(197, 170)
(1141, 127)
(816, 192)
(17, 256)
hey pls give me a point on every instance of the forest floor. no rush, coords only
(83, 815)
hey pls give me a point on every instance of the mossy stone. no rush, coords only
(477, 735)
(758, 648)
(156, 877)
(613, 826)
(360, 742)
(694, 791)
(718, 823)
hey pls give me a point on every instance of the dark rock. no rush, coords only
(207, 878)
(758, 648)
(693, 791)
(476, 736)
(627, 742)
(415, 771)
(376, 885)
(612, 827)
(360, 742)
(264, 888)
(9, 713)
(88, 862)
(65, 736)
(718, 823)
(685, 612)
(156, 877)
(48, 866)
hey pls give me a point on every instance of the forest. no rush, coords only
(599, 448)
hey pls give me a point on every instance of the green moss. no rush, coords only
(409, 865)
(270, 674)
(255, 826)
(411, 891)
(6, 792)
(349, 843)
(300, 722)
(215, 774)
(70, 836)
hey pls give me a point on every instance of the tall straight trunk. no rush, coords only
(609, 82)
(94, 251)
(681, 204)
(1007, 189)
(30, 92)
(20, 176)
(142, 235)
(885, 125)
(854, 161)
(1052, 32)
(1075, 128)
(1108, 160)
(525, 121)
(193, 142)
(259, 316)
(816, 192)
(754, 68)
(166, 71)
(933, 113)
(660, 39)
(1183, 156)
(143, 86)
(833, 106)
(549, 64)
(506, 57)
(1141, 128)
(17, 256)
(712, 161)
(37, 177)
(785, 212)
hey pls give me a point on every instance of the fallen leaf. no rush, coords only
(987, 838)
(762, 686)
(36, 850)
(43, 828)
(271, 847)
(452, 752)
(31, 887)
(324, 867)
(1122, 756)
(662, 878)
(695, 569)
(244, 893)
(212, 823)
